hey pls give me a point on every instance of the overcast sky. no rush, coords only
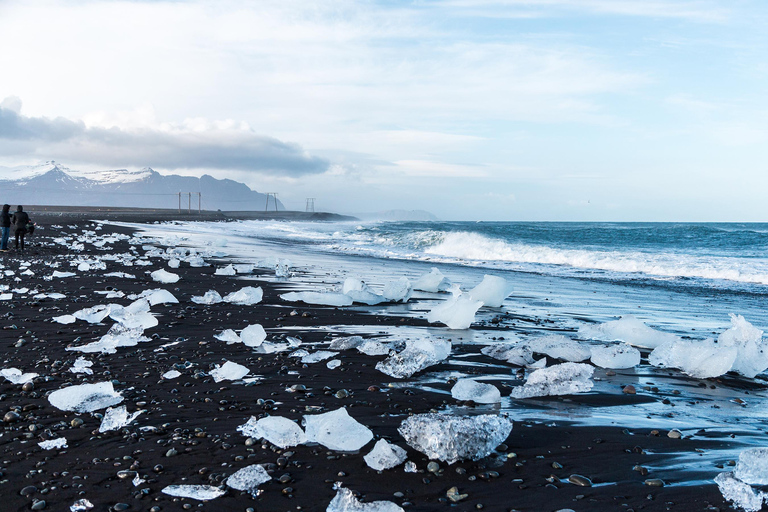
(471, 109)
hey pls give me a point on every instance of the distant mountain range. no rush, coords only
(53, 184)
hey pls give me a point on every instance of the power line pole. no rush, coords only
(310, 204)
(179, 202)
(274, 196)
(199, 202)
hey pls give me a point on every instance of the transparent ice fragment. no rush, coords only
(195, 492)
(82, 365)
(399, 290)
(117, 417)
(752, 355)
(434, 281)
(53, 444)
(229, 270)
(174, 263)
(410, 467)
(277, 430)
(318, 298)
(752, 467)
(159, 296)
(253, 335)
(249, 478)
(628, 329)
(82, 505)
(417, 355)
(559, 379)
(558, 346)
(283, 268)
(85, 397)
(478, 392)
(229, 336)
(617, 356)
(58, 274)
(345, 343)
(359, 292)
(95, 314)
(246, 296)
(373, 348)
(117, 336)
(65, 319)
(333, 364)
(316, 357)
(701, 359)
(457, 312)
(244, 268)
(171, 374)
(345, 501)
(337, 430)
(229, 371)
(14, 375)
(210, 297)
(491, 291)
(519, 354)
(163, 276)
(454, 438)
(385, 456)
(741, 494)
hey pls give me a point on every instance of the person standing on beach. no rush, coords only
(5, 226)
(20, 220)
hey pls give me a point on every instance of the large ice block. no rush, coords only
(417, 355)
(434, 281)
(399, 290)
(560, 379)
(249, 478)
(701, 359)
(491, 291)
(246, 296)
(457, 312)
(85, 397)
(741, 494)
(385, 456)
(337, 430)
(195, 492)
(617, 356)
(253, 335)
(629, 329)
(345, 501)
(117, 417)
(478, 392)
(752, 467)
(277, 430)
(229, 371)
(318, 298)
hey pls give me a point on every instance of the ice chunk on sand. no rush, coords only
(318, 298)
(82, 365)
(399, 290)
(85, 397)
(385, 456)
(457, 312)
(283, 268)
(195, 492)
(752, 355)
(229, 270)
(58, 274)
(478, 392)
(244, 268)
(95, 314)
(346, 343)
(373, 348)
(65, 319)
(359, 292)
(246, 296)
(337, 430)
(277, 430)
(117, 417)
(253, 335)
(163, 276)
(491, 291)
(159, 296)
(229, 336)
(249, 478)
(171, 374)
(560, 379)
(741, 494)
(434, 281)
(14, 375)
(345, 501)
(519, 354)
(752, 467)
(53, 444)
(417, 355)
(174, 263)
(210, 297)
(701, 359)
(615, 356)
(316, 357)
(134, 320)
(628, 329)
(333, 364)
(229, 371)
(117, 336)
(558, 346)
(454, 438)
(81, 506)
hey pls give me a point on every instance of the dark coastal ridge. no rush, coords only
(188, 434)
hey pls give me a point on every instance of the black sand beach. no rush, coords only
(195, 441)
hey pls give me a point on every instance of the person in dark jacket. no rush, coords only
(5, 226)
(20, 220)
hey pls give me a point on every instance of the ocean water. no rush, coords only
(680, 278)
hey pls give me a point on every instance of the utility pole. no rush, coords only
(179, 202)
(199, 202)
(274, 196)
(310, 204)
(189, 205)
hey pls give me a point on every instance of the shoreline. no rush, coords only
(197, 418)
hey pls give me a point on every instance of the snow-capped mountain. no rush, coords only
(54, 184)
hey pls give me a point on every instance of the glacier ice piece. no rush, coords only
(95, 314)
(701, 359)
(345, 501)
(117, 417)
(741, 494)
(82, 505)
(629, 329)
(283, 268)
(558, 346)
(385, 456)
(165, 277)
(519, 354)
(246, 296)
(434, 281)
(752, 467)
(615, 356)
(174, 263)
(171, 374)
(53, 444)
(253, 335)
(85, 397)
(478, 392)
(229, 270)
(195, 492)
(59, 274)
(417, 355)
(134, 316)
(159, 296)
(15, 376)
(82, 365)
(491, 291)
(457, 312)
(65, 319)
(117, 336)
(399, 290)
(752, 357)
(318, 298)
(337, 430)
(229, 336)
(244, 268)
(453, 438)
(277, 430)
(373, 348)
(229, 371)
(345, 343)
(559, 379)
(210, 297)
(316, 357)
(249, 478)
(359, 292)
(333, 364)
